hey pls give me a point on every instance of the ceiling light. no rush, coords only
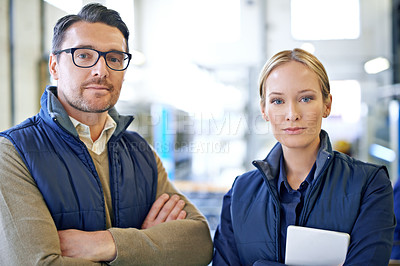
(376, 65)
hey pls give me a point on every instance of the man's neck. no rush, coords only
(95, 121)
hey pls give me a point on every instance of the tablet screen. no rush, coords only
(310, 246)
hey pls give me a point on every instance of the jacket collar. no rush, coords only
(270, 165)
(52, 110)
(325, 152)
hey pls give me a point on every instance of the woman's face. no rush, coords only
(294, 105)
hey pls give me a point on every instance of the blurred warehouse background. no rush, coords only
(193, 83)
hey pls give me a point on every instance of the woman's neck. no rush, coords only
(298, 163)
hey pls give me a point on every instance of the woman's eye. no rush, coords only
(306, 99)
(276, 101)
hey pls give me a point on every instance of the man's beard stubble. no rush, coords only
(81, 104)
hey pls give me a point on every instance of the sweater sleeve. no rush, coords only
(372, 234)
(182, 242)
(28, 233)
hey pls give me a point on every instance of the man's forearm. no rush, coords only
(100, 246)
(180, 242)
(94, 246)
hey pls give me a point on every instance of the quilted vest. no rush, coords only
(66, 176)
(255, 205)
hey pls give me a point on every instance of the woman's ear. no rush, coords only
(53, 66)
(328, 106)
(264, 114)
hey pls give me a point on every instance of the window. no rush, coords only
(346, 103)
(325, 19)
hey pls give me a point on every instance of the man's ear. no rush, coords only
(53, 66)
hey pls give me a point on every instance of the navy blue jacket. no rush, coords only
(396, 241)
(67, 178)
(346, 195)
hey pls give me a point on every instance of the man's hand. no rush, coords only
(165, 209)
(94, 246)
(99, 245)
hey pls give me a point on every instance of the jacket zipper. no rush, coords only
(278, 206)
(312, 188)
(91, 161)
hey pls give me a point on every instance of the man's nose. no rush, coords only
(100, 68)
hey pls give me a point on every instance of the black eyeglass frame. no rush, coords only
(103, 54)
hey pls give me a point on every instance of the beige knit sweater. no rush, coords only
(28, 235)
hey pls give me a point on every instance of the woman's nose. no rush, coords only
(292, 113)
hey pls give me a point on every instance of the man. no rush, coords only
(75, 186)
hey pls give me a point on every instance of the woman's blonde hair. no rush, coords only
(300, 56)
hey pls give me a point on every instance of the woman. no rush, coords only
(303, 181)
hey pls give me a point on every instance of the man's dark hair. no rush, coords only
(93, 12)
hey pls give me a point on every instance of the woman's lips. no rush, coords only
(294, 130)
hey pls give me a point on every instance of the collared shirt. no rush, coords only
(100, 144)
(291, 201)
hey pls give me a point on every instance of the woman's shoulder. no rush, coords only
(343, 162)
(248, 178)
(248, 185)
(354, 161)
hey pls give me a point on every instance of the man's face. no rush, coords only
(95, 89)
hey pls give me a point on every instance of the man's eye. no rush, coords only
(82, 56)
(115, 60)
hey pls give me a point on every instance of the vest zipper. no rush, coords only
(93, 170)
(314, 185)
(278, 206)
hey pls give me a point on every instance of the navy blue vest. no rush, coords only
(66, 176)
(332, 202)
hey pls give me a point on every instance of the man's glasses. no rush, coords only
(87, 57)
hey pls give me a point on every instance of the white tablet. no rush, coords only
(310, 246)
